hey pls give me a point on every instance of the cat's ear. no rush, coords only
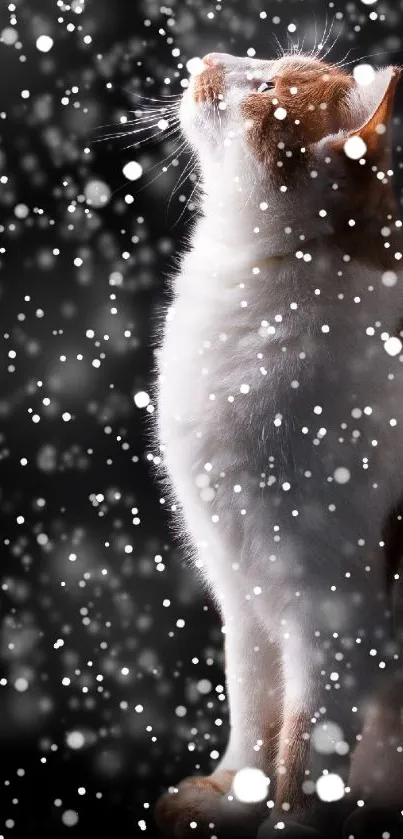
(367, 114)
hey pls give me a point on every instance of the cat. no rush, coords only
(280, 420)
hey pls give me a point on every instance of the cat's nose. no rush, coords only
(210, 59)
(215, 59)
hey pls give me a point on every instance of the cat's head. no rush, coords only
(285, 117)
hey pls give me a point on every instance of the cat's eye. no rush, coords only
(266, 86)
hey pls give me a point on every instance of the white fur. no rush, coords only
(272, 551)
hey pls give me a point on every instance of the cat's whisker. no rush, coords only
(318, 44)
(188, 176)
(187, 173)
(173, 153)
(165, 163)
(188, 201)
(340, 63)
(143, 109)
(158, 116)
(333, 45)
(315, 49)
(138, 118)
(280, 48)
(143, 129)
(369, 55)
(326, 35)
(176, 96)
(143, 141)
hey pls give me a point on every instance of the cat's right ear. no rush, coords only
(366, 114)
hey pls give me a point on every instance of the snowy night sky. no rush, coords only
(111, 682)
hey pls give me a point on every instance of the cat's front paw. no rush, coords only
(203, 807)
(189, 810)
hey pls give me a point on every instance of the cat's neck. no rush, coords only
(264, 229)
(249, 229)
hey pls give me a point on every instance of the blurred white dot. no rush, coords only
(180, 711)
(70, 818)
(342, 475)
(250, 785)
(21, 684)
(342, 748)
(280, 113)
(364, 74)
(97, 193)
(355, 148)
(75, 739)
(141, 399)
(393, 346)
(9, 35)
(132, 170)
(44, 43)
(389, 279)
(325, 737)
(368, 2)
(195, 66)
(330, 788)
(21, 210)
(204, 686)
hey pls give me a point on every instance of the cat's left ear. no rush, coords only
(368, 112)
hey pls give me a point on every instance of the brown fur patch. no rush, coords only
(292, 761)
(209, 85)
(313, 96)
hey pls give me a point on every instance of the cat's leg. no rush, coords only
(302, 662)
(303, 696)
(254, 686)
(254, 692)
(330, 675)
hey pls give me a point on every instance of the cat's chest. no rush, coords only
(214, 352)
(242, 358)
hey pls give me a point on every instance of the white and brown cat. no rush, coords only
(280, 419)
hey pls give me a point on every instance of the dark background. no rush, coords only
(111, 683)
